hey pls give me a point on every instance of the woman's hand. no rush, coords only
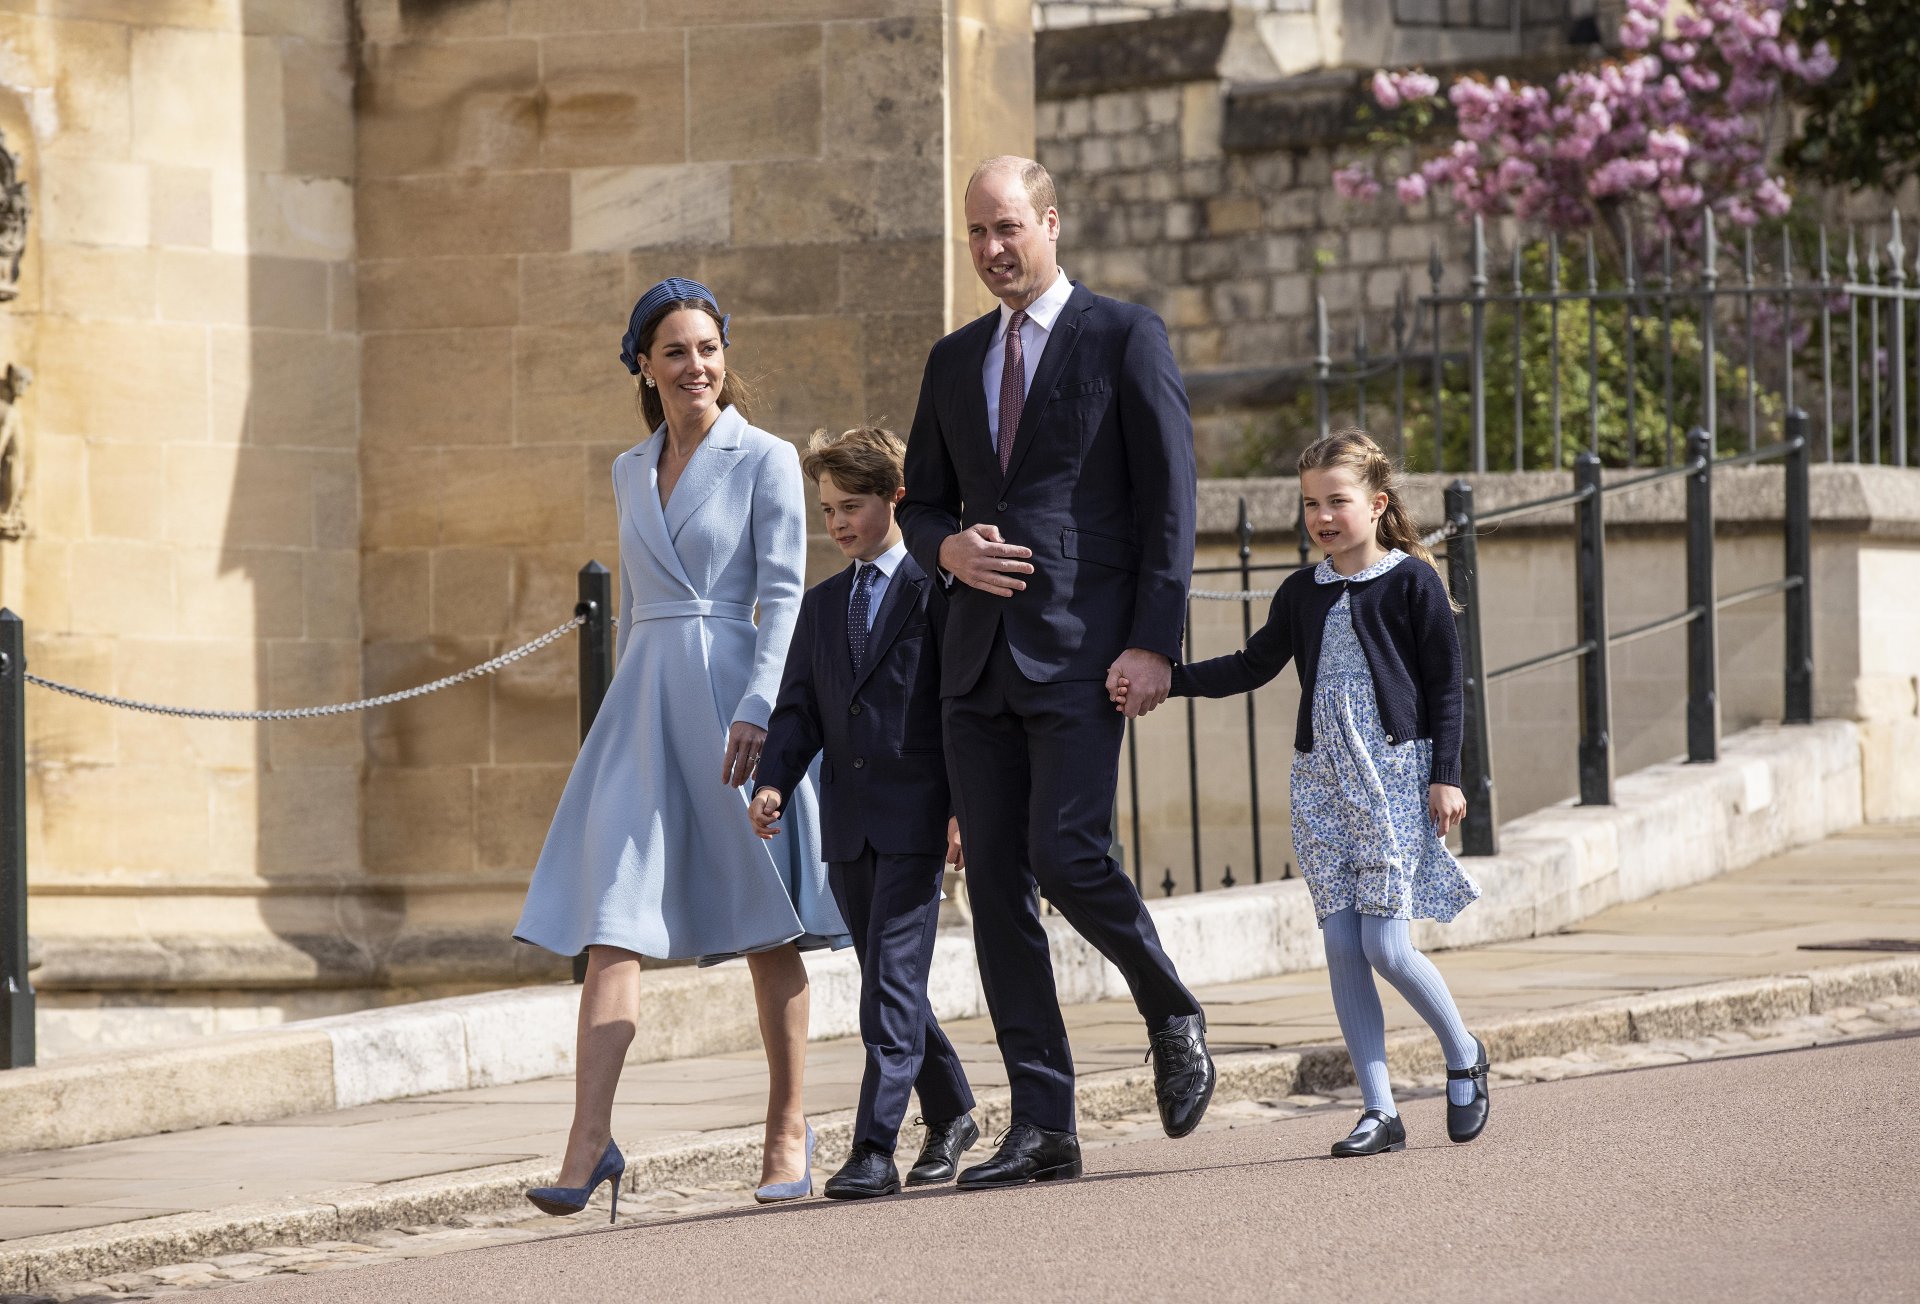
(956, 855)
(1446, 807)
(764, 811)
(744, 742)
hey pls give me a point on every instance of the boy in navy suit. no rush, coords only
(862, 684)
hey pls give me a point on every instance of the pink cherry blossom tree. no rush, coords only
(1640, 143)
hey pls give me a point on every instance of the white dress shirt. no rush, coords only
(1034, 333)
(884, 565)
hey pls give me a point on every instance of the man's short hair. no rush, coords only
(1036, 180)
(863, 460)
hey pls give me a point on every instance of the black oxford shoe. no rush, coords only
(1183, 1074)
(1027, 1154)
(1374, 1133)
(940, 1156)
(1465, 1122)
(866, 1174)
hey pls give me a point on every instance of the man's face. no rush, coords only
(1013, 246)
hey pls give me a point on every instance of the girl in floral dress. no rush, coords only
(1376, 766)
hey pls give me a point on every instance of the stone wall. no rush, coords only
(193, 480)
(324, 308)
(525, 171)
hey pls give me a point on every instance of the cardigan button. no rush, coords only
(1389, 737)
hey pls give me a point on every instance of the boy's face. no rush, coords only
(861, 524)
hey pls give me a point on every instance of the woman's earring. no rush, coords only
(648, 380)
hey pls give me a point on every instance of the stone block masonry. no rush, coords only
(323, 307)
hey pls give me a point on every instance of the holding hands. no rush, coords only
(1138, 681)
(744, 742)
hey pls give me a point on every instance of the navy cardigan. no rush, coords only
(1405, 624)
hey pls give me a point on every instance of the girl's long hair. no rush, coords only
(1354, 450)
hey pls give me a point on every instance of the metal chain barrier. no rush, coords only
(310, 712)
(1440, 535)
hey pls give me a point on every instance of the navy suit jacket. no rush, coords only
(883, 779)
(1100, 485)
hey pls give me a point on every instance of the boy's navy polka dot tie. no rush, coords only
(857, 613)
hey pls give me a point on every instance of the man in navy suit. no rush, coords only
(1050, 486)
(862, 684)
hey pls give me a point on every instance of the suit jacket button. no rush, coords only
(999, 507)
(859, 762)
(854, 709)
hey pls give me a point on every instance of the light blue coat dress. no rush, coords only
(649, 851)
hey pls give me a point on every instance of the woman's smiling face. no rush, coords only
(687, 363)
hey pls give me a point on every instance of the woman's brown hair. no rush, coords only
(864, 460)
(734, 390)
(1354, 450)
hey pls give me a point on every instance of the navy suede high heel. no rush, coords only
(560, 1200)
(774, 1192)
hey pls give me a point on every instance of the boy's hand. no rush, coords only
(955, 855)
(764, 811)
(1446, 807)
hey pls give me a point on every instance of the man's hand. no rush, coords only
(1446, 807)
(979, 558)
(764, 811)
(1138, 681)
(744, 742)
(955, 855)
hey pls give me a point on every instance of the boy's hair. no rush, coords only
(864, 460)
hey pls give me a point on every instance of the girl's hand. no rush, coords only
(764, 811)
(956, 855)
(744, 742)
(1446, 807)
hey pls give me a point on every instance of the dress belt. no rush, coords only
(693, 607)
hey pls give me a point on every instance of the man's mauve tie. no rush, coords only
(857, 612)
(1013, 389)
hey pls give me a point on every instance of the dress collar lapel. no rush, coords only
(644, 507)
(716, 456)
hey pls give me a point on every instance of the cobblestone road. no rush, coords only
(1895, 1014)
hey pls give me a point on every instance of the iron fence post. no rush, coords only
(1253, 725)
(1477, 373)
(596, 663)
(1477, 830)
(1703, 631)
(16, 1000)
(1799, 559)
(1596, 714)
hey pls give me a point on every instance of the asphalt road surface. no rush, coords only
(1775, 1177)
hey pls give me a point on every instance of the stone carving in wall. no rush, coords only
(13, 453)
(14, 211)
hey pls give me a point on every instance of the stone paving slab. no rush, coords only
(1747, 924)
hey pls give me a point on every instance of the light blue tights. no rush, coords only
(1357, 945)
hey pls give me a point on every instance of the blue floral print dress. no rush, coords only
(1360, 826)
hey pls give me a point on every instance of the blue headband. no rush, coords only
(672, 290)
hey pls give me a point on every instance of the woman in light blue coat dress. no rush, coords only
(651, 852)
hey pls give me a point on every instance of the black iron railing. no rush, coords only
(1593, 643)
(1567, 351)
